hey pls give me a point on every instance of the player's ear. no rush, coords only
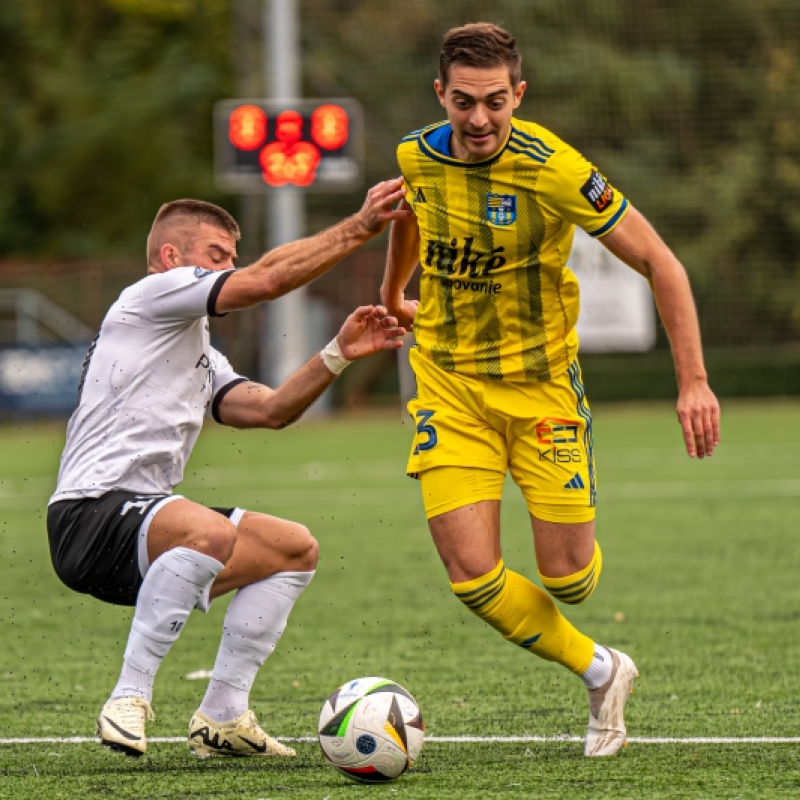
(518, 92)
(170, 256)
(440, 90)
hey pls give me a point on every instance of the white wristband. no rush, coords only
(332, 357)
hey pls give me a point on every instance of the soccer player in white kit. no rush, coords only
(119, 533)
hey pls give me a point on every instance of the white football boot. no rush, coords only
(121, 725)
(239, 737)
(606, 732)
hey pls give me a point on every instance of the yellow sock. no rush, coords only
(526, 616)
(576, 588)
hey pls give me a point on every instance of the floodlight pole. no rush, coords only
(284, 329)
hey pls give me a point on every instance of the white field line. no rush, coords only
(452, 739)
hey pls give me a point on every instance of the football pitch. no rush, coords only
(700, 586)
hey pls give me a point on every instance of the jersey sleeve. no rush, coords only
(183, 293)
(571, 188)
(224, 379)
(403, 163)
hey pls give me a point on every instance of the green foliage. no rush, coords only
(699, 584)
(103, 110)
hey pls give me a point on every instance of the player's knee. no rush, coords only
(306, 552)
(575, 588)
(218, 539)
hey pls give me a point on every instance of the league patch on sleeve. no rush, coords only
(598, 192)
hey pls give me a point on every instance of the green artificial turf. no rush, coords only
(700, 586)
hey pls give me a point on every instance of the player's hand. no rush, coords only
(379, 206)
(405, 311)
(698, 415)
(368, 330)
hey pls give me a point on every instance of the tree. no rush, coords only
(104, 112)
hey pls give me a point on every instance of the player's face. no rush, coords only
(479, 103)
(209, 247)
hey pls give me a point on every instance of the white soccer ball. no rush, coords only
(371, 730)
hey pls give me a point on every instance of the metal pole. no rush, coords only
(284, 336)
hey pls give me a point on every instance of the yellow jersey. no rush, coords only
(496, 297)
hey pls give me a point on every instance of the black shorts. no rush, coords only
(94, 543)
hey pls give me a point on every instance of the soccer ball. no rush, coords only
(371, 730)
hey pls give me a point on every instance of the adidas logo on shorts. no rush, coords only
(575, 482)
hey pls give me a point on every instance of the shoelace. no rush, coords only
(130, 712)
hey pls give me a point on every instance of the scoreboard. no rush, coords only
(313, 144)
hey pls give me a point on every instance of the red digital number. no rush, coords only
(247, 127)
(283, 163)
(330, 126)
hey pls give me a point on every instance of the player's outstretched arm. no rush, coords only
(294, 264)
(401, 261)
(366, 331)
(636, 242)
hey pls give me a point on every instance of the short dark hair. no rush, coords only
(199, 211)
(183, 211)
(480, 44)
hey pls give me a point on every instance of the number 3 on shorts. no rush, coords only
(424, 428)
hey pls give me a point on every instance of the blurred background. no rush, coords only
(690, 108)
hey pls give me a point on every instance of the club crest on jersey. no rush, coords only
(501, 209)
(199, 272)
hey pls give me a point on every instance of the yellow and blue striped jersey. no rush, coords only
(496, 297)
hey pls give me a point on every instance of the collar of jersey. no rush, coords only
(444, 129)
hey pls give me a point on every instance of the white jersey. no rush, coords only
(148, 380)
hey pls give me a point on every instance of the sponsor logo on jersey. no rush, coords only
(557, 431)
(501, 209)
(480, 287)
(457, 257)
(206, 363)
(199, 272)
(598, 191)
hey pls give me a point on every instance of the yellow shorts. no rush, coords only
(541, 432)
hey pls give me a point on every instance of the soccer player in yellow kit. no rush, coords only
(495, 201)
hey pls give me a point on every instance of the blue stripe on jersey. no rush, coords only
(410, 137)
(612, 222)
(534, 140)
(528, 153)
(529, 143)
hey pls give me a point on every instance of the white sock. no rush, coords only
(254, 621)
(600, 669)
(172, 587)
(223, 702)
